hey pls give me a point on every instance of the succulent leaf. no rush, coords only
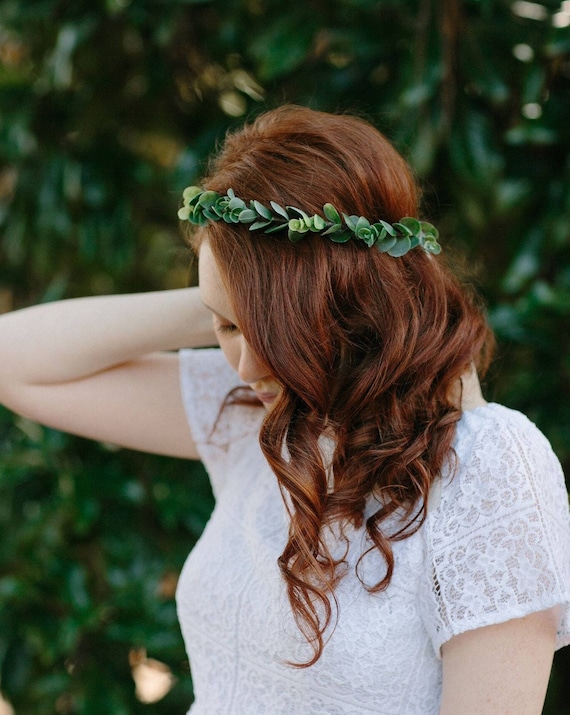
(262, 210)
(295, 236)
(259, 224)
(385, 245)
(279, 210)
(341, 237)
(318, 222)
(208, 198)
(429, 230)
(403, 229)
(400, 248)
(277, 227)
(300, 213)
(390, 230)
(247, 215)
(190, 192)
(412, 224)
(331, 213)
(351, 221)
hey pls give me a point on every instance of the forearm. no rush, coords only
(68, 340)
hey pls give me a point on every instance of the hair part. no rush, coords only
(366, 346)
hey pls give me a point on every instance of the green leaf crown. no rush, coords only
(395, 239)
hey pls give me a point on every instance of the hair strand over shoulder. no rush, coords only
(366, 346)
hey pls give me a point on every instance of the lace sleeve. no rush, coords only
(206, 380)
(499, 541)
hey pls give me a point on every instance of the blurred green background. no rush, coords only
(108, 109)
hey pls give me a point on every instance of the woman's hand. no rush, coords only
(102, 368)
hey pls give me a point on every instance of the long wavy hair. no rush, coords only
(367, 347)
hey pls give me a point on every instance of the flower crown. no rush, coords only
(395, 239)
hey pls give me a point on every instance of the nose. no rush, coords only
(250, 368)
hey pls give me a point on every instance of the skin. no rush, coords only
(104, 368)
(236, 349)
(500, 670)
(101, 368)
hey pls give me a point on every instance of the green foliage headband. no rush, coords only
(394, 239)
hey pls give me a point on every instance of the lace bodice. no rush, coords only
(495, 546)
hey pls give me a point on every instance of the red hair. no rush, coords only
(366, 346)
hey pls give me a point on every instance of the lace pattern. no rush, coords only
(495, 546)
(499, 540)
(205, 381)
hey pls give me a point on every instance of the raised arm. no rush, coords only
(102, 368)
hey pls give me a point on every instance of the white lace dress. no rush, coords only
(495, 546)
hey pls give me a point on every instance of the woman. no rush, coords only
(384, 541)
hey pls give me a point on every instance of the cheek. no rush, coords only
(231, 348)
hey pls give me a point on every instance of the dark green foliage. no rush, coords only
(397, 239)
(108, 109)
(91, 541)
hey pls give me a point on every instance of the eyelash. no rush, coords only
(226, 328)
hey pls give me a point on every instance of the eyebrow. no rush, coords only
(208, 306)
(220, 315)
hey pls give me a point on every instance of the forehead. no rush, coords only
(212, 288)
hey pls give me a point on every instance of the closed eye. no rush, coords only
(226, 328)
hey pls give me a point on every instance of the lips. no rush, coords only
(266, 397)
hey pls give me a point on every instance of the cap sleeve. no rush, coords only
(499, 541)
(206, 380)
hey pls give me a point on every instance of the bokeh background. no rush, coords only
(108, 108)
